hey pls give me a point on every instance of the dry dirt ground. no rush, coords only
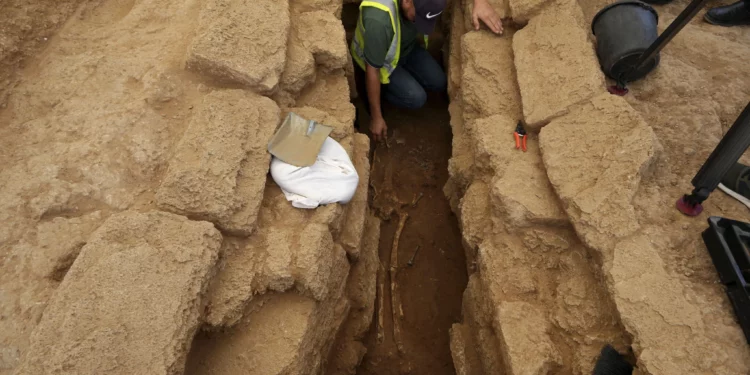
(140, 233)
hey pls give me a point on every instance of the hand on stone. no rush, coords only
(484, 12)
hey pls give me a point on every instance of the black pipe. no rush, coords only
(682, 19)
(725, 155)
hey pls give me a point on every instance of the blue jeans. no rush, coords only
(417, 72)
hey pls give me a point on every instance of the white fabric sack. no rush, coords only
(332, 179)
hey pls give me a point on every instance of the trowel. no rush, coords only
(298, 140)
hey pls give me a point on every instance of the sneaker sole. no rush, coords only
(735, 195)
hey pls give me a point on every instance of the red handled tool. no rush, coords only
(520, 135)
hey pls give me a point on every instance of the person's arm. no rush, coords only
(483, 11)
(378, 127)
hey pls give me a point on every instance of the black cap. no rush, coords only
(427, 12)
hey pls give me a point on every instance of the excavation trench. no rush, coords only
(413, 168)
(428, 275)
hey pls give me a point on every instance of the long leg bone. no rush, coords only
(396, 308)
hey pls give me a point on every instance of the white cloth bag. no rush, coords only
(332, 179)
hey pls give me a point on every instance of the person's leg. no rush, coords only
(404, 91)
(426, 70)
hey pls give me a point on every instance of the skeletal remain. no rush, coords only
(396, 308)
(381, 300)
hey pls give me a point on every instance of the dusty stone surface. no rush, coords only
(330, 94)
(219, 169)
(453, 57)
(475, 211)
(484, 355)
(299, 71)
(292, 248)
(493, 144)
(348, 350)
(524, 195)
(26, 27)
(356, 209)
(522, 11)
(281, 334)
(139, 279)
(323, 35)
(597, 179)
(555, 62)
(488, 83)
(526, 344)
(462, 160)
(242, 42)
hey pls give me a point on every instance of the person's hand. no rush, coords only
(379, 129)
(484, 12)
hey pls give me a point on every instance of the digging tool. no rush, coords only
(411, 261)
(725, 155)
(648, 59)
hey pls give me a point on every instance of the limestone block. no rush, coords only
(58, 243)
(281, 334)
(323, 35)
(478, 311)
(493, 143)
(596, 171)
(458, 348)
(527, 347)
(218, 171)
(475, 214)
(503, 268)
(354, 225)
(488, 81)
(131, 302)
(462, 159)
(242, 42)
(522, 11)
(331, 6)
(666, 327)
(454, 49)
(299, 71)
(330, 94)
(556, 63)
(523, 195)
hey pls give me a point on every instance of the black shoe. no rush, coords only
(729, 15)
(736, 183)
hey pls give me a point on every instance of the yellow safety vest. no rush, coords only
(394, 51)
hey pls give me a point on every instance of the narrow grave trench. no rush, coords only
(406, 185)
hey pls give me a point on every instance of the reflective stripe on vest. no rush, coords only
(394, 51)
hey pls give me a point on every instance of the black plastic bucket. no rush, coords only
(624, 30)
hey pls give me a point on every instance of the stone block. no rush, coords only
(323, 35)
(356, 209)
(521, 11)
(461, 162)
(488, 81)
(281, 334)
(475, 214)
(242, 42)
(654, 308)
(362, 281)
(218, 171)
(453, 62)
(523, 195)
(299, 71)
(131, 302)
(556, 63)
(492, 139)
(596, 171)
(331, 6)
(526, 345)
(330, 94)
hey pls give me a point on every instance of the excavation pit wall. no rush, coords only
(103, 143)
(150, 215)
(562, 259)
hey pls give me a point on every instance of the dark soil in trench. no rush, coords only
(414, 164)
